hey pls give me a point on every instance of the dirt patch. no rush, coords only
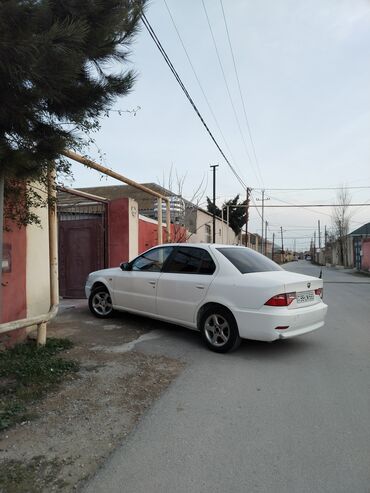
(80, 424)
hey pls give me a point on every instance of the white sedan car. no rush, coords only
(226, 292)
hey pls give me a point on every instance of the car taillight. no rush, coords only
(319, 292)
(283, 299)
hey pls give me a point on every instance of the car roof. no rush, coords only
(201, 245)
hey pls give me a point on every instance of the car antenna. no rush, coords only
(320, 275)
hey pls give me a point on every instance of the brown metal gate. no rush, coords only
(82, 242)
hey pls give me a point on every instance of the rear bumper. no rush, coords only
(261, 325)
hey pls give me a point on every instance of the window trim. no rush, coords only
(157, 247)
(175, 250)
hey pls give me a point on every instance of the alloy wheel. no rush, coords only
(102, 303)
(217, 330)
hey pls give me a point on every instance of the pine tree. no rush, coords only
(62, 64)
(236, 214)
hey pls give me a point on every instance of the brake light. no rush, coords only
(319, 292)
(283, 299)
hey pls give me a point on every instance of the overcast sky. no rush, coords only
(305, 76)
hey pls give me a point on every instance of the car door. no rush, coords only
(184, 283)
(135, 289)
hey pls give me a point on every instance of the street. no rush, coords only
(290, 416)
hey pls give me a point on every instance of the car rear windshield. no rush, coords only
(247, 261)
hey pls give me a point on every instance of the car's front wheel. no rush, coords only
(219, 330)
(100, 302)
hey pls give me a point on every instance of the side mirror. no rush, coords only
(125, 266)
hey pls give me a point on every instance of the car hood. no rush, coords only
(105, 272)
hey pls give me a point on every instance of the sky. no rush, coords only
(304, 74)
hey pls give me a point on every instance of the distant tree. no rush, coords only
(340, 219)
(62, 64)
(236, 214)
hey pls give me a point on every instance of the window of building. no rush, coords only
(208, 233)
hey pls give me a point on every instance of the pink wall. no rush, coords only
(118, 232)
(14, 292)
(365, 262)
(14, 301)
(148, 234)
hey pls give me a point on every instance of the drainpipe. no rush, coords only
(41, 320)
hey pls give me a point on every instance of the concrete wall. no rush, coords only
(37, 261)
(118, 239)
(133, 214)
(224, 234)
(365, 260)
(26, 290)
(148, 229)
(14, 295)
(147, 233)
(348, 251)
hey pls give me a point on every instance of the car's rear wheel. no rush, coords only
(219, 330)
(100, 302)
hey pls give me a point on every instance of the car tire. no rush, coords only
(100, 302)
(219, 330)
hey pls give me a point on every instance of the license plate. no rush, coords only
(305, 296)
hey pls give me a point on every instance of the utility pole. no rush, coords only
(263, 217)
(266, 224)
(273, 246)
(282, 241)
(214, 166)
(247, 215)
(314, 246)
(318, 227)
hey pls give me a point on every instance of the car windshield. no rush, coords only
(247, 261)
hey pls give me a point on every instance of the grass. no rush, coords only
(27, 373)
(31, 477)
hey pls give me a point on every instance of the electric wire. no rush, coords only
(198, 81)
(228, 89)
(241, 93)
(181, 84)
(311, 189)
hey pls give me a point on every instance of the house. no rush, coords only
(361, 247)
(184, 214)
(97, 232)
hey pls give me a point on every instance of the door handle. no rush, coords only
(153, 283)
(199, 286)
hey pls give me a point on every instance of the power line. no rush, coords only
(314, 205)
(181, 84)
(241, 93)
(198, 80)
(311, 189)
(227, 86)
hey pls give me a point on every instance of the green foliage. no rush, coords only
(237, 215)
(61, 68)
(19, 476)
(26, 373)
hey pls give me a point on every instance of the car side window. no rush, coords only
(152, 261)
(188, 260)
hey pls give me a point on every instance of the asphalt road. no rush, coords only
(291, 416)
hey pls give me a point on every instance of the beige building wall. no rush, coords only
(133, 221)
(37, 274)
(203, 234)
